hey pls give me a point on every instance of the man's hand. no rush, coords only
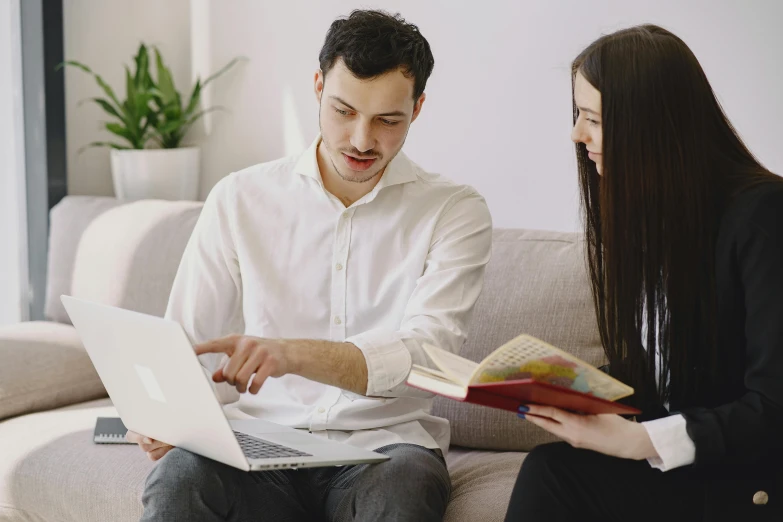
(608, 434)
(337, 364)
(154, 448)
(250, 356)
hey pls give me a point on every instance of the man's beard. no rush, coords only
(367, 177)
(364, 179)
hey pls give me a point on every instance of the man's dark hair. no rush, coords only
(372, 43)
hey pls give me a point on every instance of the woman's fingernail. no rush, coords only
(147, 440)
(524, 409)
(521, 415)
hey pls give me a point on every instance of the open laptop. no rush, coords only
(160, 389)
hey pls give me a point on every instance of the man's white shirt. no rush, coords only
(275, 255)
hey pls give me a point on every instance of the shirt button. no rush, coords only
(337, 320)
(338, 267)
(321, 409)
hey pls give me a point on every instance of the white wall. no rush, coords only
(13, 238)
(498, 112)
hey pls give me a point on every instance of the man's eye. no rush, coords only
(342, 112)
(389, 122)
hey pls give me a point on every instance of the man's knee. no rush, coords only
(181, 471)
(413, 470)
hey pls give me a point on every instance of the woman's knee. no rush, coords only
(545, 459)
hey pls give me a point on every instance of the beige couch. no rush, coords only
(127, 255)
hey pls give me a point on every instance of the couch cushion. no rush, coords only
(482, 482)
(43, 365)
(129, 255)
(55, 472)
(67, 222)
(536, 283)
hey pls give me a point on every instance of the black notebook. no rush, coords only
(110, 430)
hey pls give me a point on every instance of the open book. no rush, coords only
(525, 370)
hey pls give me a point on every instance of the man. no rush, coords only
(336, 266)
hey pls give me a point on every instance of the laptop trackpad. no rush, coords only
(293, 438)
(258, 427)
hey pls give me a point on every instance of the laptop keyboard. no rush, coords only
(255, 448)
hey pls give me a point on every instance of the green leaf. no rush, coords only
(107, 89)
(225, 68)
(123, 132)
(103, 144)
(142, 67)
(152, 118)
(106, 106)
(171, 126)
(172, 112)
(198, 115)
(130, 87)
(195, 96)
(142, 102)
(165, 82)
(103, 85)
(76, 64)
(137, 115)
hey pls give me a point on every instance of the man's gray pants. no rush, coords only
(413, 485)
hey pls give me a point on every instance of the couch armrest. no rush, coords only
(68, 221)
(44, 366)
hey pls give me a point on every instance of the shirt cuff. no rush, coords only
(670, 439)
(388, 360)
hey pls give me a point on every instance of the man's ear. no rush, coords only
(417, 106)
(319, 84)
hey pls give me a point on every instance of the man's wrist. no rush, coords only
(296, 351)
(337, 364)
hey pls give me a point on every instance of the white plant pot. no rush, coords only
(156, 173)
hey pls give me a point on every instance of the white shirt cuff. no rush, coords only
(670, 439)
(388, 360)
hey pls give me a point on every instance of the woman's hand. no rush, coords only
(608, 434)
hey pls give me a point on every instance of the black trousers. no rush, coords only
(559, 483)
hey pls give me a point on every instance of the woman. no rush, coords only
(684, 231)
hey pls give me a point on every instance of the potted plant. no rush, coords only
(152, 113)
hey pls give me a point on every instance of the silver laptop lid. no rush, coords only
(154, 379)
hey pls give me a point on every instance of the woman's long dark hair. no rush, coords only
(671, 163)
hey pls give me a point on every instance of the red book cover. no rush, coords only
(509, 395)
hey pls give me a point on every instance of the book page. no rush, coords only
(436, 382)
(435, 374)
(526, 357)
(455, 367)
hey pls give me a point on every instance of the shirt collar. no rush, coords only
(400, 170)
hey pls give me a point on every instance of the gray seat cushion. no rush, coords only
(536, 283)
(55, 472)
(481, 484)
(43, 365)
